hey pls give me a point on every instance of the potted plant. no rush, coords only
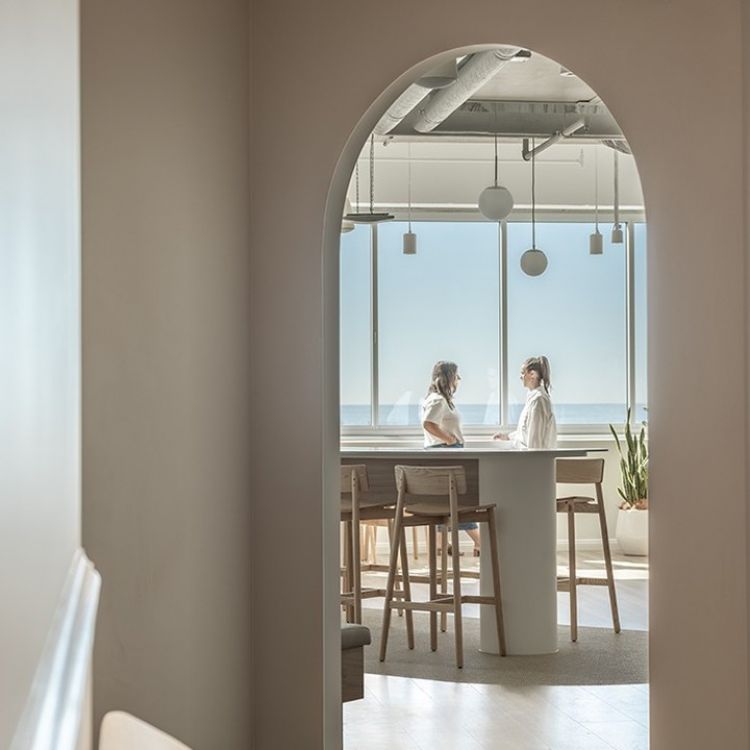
(632, 518)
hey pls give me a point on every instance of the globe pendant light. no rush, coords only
(596, 241)
(533, 261)
(617, 234)
(368, 217)
(495, 201)
(410, 239)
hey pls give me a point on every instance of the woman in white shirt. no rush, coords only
(441, 423)
(536, 425)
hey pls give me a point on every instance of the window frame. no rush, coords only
(629, 217)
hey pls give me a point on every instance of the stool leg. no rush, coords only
(496, 586)
(356, 569)
(457, 621)
(415, 542)
(610, 572)
(444, 575)
(348, 579)
(406, 587)
(431, 545)
(389, 587)
(572, 573)
(390, 541)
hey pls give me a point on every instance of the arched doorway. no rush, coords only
(626, 374)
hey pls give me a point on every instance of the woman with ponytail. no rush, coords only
(536, 425)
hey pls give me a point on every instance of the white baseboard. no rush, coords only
(56, 708)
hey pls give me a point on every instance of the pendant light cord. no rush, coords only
(409, 184)
(596, 188)
(617, 186)
(533, 196)
(372, 172)
(495, 159)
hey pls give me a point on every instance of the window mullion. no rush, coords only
(503, 322)
(630, 314)
(374, 347)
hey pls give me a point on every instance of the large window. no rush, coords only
(575, 315)
(463, 297)
(441, 303)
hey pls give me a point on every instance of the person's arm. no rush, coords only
(441, 435)
(537, 425)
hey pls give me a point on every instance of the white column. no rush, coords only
(522, 485)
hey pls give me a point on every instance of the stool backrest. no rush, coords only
(579, 470)
(354, 479)
(430, 480)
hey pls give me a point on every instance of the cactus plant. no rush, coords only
(633, 467)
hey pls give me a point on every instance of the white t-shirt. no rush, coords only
(435, 409)
(536, 425)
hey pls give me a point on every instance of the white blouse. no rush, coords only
(435, 409)
(536, 425)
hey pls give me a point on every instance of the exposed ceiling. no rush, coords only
(533, 98)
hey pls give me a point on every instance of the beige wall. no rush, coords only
(646, 60)
(167, 361)
(39, 332)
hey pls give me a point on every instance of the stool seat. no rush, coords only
(579, 504)
(439, 510)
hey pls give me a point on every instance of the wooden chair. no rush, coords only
(584, 471)
(443, 485)
(356, 509)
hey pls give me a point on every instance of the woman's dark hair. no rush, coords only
(539, 365)
(444, 380)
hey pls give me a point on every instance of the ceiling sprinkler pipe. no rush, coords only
(471, 77)
(556, 138)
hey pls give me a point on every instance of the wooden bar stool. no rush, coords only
(443, 485)
(584, 471)
(356, 509)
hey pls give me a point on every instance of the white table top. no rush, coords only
(477, 449)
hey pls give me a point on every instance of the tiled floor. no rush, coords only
(400, 712)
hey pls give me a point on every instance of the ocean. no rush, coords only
(400, 415)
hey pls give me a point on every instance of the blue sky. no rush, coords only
(443, 304)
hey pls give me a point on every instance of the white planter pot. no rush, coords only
(632, 531)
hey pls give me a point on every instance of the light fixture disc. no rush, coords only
(617, 235)
(533, 262)
(410, 243)
(495, 202)
(368, 218)
(596, 244)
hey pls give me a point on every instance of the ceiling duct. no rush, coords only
(471, 77)
(400, 108)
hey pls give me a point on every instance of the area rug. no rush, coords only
(599, 657)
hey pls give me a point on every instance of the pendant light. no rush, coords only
(596, 241)
(495, 201)
(617, 234)
(533, 261)
(410, 239)
(368, 217)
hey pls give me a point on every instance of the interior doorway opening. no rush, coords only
(418, 177)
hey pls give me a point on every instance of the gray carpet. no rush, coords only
(600, 657)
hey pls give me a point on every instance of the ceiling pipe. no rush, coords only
(527, 153)
(472, 76)
(400, 108)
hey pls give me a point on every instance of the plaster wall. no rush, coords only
(39, 332)
(642, 58)
(167, 394)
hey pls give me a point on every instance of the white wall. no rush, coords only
(39, 331)
(167, 379)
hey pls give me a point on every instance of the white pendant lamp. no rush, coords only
(495, 201)
(596, 241)
(347, 226)
(533, 261)
(368, 217)
(410, 239)
(617, 234)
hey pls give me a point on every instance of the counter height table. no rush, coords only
(521, 484)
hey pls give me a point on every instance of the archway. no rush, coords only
(362, 133)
